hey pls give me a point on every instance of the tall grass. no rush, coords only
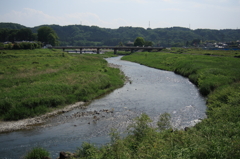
(37, 153)
(199, 51)
(33, 82)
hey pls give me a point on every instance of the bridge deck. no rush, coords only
(115, 48)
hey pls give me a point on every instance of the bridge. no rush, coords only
(115, 48)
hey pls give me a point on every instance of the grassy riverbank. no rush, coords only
(33, 82)
(218, 136)
(199, 51)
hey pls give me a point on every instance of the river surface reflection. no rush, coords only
(150, 91)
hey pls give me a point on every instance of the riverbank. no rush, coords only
(33, 83)
(9, 126)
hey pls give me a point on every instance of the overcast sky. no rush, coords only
(210, 14)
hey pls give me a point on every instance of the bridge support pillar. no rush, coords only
(149, 50)
(98, 50)
(63, 49)
(81, 50)
(115, 51)
(132, 50)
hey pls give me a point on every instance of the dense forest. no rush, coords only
(80, 35)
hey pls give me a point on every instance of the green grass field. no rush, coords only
(199, 51)
(33, 82)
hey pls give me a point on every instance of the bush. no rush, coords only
(26, 45)
(16, 46)
(5, 106)
(18, 113)
(37, 153)
(1, 45)
(140, 126)
(87, 150)
(164, 121)
(8, 46)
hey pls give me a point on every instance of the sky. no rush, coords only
(193, 14)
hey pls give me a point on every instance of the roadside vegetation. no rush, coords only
(33, 82)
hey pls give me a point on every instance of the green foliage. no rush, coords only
(8, 46)
(47, 35)
(140, 126)
(1, 45)
(33, 82)
(139, 41)
(148, 43)
(23, 34)
(80, 35)
(87, 151)
(11, 26)
(164, 121)
(26, 45)
(37, 153)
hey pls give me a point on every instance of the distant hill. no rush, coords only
(11, 26)
(77, 35)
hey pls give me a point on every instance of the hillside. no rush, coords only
(11, 26)
(76, 35)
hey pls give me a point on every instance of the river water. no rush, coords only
(149, 91)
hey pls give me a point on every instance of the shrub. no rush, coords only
(140, 126)
(8, 46)
(164, 121)
(5, 106)
(87, 150)
(16, 46)
(17, 113)
(1, 45)
(37, 153)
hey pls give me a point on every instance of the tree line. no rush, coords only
(25, 38)
(81, 35)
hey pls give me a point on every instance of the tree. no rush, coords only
(25, 34)
(47, 36)
(120, 44)
(148, 43)
(196, 42)
(139, 41)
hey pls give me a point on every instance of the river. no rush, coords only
(150, 91)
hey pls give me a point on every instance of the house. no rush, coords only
(129, 43)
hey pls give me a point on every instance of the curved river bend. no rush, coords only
(150, 91)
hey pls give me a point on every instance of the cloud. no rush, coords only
(31, 17)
